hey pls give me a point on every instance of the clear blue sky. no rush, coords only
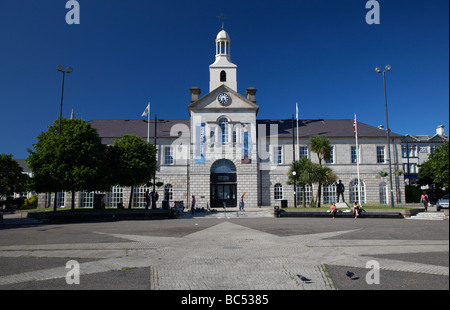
(319, 53)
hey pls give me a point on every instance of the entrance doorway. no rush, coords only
(223, 184)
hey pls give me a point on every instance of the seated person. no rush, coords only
(355, 209)
(333, 209)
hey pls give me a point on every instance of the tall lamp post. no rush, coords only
(68, 70)
(378, 70)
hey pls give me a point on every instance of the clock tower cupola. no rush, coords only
(223, 71)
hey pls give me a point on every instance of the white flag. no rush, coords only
(146, 111)
(296, 109)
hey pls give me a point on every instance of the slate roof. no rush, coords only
(425, 138)
(118, 128)
(331, 128)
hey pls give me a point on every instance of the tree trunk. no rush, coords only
(319, 194)
(303, 196)
(73, 200)
(131, 197)
(54, 202)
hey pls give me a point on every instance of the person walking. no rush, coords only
(425, 199)
(193, 205)
(147, 200)
(241, 203)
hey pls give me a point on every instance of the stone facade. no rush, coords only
(223, 150)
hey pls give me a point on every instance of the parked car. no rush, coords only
(442, 203)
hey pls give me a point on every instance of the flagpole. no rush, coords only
(148, 123)
(357, 162)
(297, 149)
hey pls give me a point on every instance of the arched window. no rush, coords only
(223, 125)
(383, 193)
(354, 191)
(139, 195)
(329, 193)
(223, 76)
(308, 194)
(115, 196)
(86, 199)
(223, 166)
(278, 192)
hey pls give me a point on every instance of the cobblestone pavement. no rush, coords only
(251, 252)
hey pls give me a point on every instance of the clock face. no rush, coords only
(224, 98)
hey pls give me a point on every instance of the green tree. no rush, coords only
(305, 174)
(136, 162)
(322, 147)
(72, 161)
(12, 178)
(435, 169)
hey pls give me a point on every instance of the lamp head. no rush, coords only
(388, 68)
(69, 70)
(59, 68)
(378, 70)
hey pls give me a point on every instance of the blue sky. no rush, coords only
(319, 53)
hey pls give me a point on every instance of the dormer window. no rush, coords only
(223, 76)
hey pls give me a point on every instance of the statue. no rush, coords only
(340, 188)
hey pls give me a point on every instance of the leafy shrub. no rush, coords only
(30, 203)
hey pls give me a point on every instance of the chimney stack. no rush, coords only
(195, 92)
(251, 92)
(440, 130)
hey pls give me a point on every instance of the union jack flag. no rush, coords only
(355, 128)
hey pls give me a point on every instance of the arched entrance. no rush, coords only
(223, 184)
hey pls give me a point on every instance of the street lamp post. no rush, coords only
(68, 70)
(378, 70)
(295, 186)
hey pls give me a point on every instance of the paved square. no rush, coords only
(229, 252)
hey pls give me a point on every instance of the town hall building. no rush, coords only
(223, 150)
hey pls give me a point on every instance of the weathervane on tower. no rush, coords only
(222, 17)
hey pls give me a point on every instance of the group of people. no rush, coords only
(179, 205)
(356, 210)
(424, 198)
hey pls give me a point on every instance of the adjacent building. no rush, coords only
(416, 149)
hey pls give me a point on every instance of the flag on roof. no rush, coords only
(146, 111)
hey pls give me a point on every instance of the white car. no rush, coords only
(442, 203)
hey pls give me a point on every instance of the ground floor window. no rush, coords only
(383, 193)
(168, 192)
(329, 193)
(278, 191)
(354, 191)
(308, 194)
(60, 199)
(86, 199)
(115, 197)
(139, 196)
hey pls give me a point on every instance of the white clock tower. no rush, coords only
(223, 71)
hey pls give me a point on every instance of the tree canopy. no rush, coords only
(136, 162)
(435, 169)
(76, 160)
(72, 161)
(12, 178)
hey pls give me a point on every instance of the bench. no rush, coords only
(364, 214)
